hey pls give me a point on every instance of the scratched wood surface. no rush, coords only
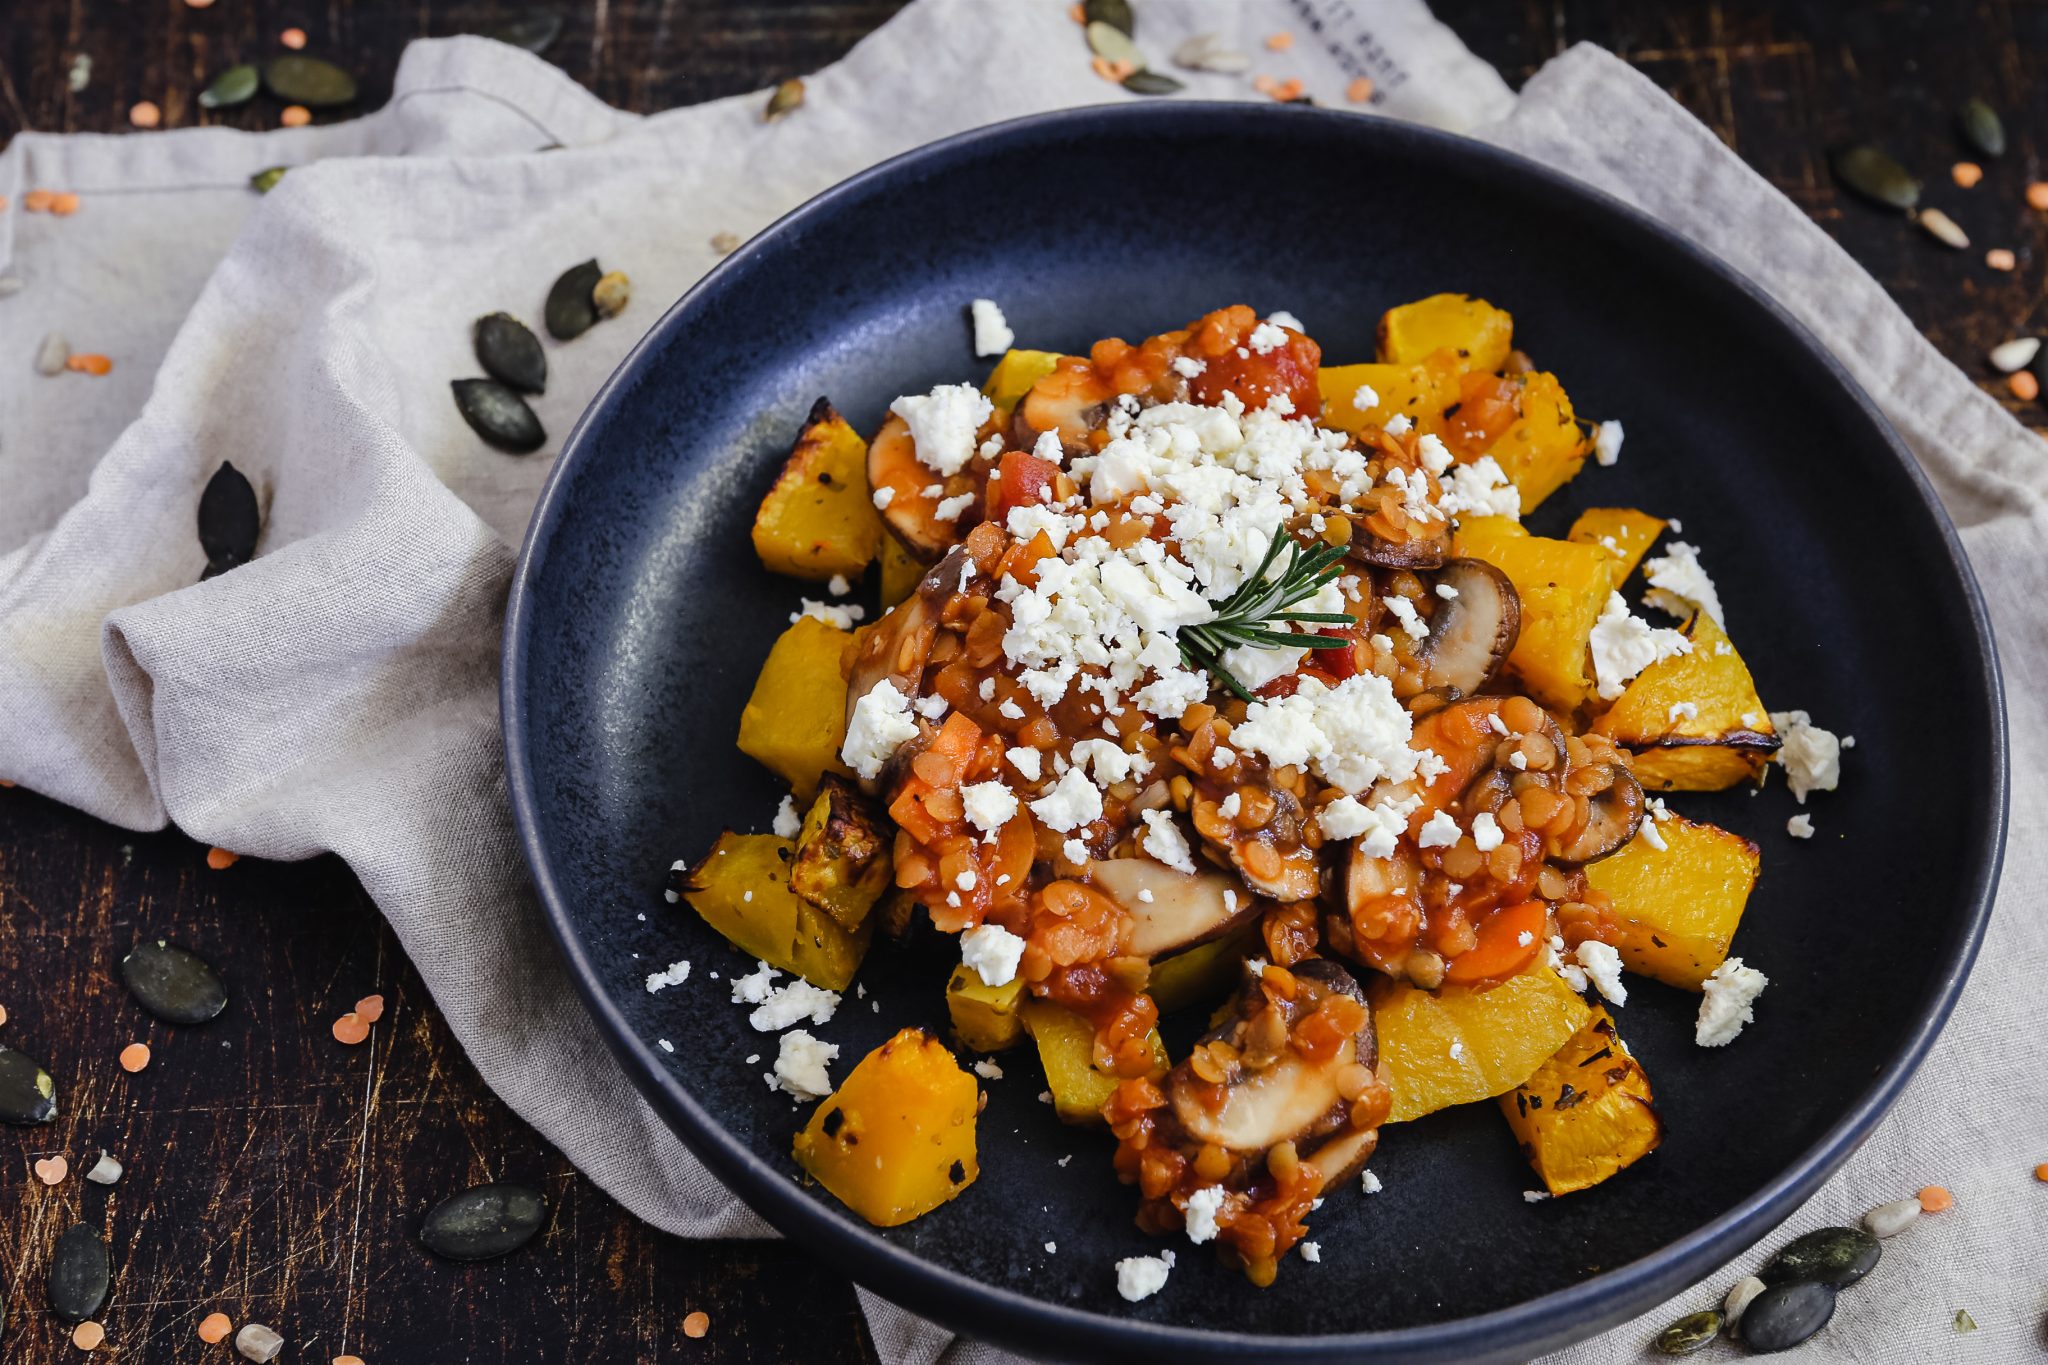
(279, 1177)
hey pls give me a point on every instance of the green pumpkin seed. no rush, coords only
(1982, 128)
(1113, 45)
(1964, 1322)
(1151, 83)
(535, 30)
(1786, 1314)
(569, 312)
(298, 79)
(1115, 13)
(487, 1221)
(508, 350)
(1874, 175)
(80, 1274)
(612, 292)
(788, 97)
(1833, 1256)
(236, 85)
(27, 1094)
(499, 415)
(1689, 1333)
(170, 982)
(264, 181)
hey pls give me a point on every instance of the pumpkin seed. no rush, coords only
(258, 1343)
(1786, 1314)
(1834, 1256)
(1738, 1301)
(1115, 13)
(1113, 45)
(1874, 175)
(1689, 1333)
(610, 295)
(229, 523)
(265, 180)
(536, 30)
(569, 312)
(484, 1222)
(1982, 128)
(2016, 354)
(509, 351)
(298, 79)
(1889, 1220)
(787, 98)
(499, 415)
(1943, 228)
(51, 355)
(1206, 52)
(1964, 1322)
(173, 983)
(27, 1094)
(80, 1274)
(1151, 83)
(236, 85)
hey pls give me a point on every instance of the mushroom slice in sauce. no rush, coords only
(1184, 909)
(1613, 815)
(900, 646)
(1425, 553)
(1471, 634)
(1272, 858)
(893, 466)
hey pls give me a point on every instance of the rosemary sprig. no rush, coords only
(1262, 606)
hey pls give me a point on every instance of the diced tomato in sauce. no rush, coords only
(1022, 480)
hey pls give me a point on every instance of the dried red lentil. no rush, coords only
(696, 1325)
(89, 363)
(1359, 91)
(51, 1170)
(1935, 1199)
(1966, 174)
(220, 860)
(1113, 72)
(214, 1328)
(88, 1335)
(350, 1029)
(38, 201)
(64, 204)
(370, 1008)
(295, 116)
(1280, 42)
(1998, 258)
(145, 114)
(2037, 195)
(347, 1360)
(134, 1057)
(293, 38)
(3, 1014)
(2024, 386)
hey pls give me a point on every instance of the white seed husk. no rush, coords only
(1889, 1220)
(258, 1343)
(1732, 1308)
(1943, 228)
(2016, 354)
(51, 355)
(1206, 52)
(106, 1170)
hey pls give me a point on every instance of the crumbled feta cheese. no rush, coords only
(1010, 710)
(1372, 1183)
(882, 498)
(1256, 665)
(1486, 832)
(993, 952)
(1400, 424)
(1312, 1252)
(1800, 827)
(880, 726)
(1439, 831)
(1074, 802)
(1075, 851)
(1266, 338)
(756, 986)
(943, 424)
(788, 824)
(992, 334)
(1344, 818)
(931, 707)
(1678, 583)
(1140, 1277)
(1053, 1247)
(1447, 592)
(1365, 398)
(665, 1045)
(1029, 763)
(1457, 1050)
(1187, 367)
(1624, 644)
(951, 509)
(800, 1066)
(1164, 841)
(1280, 317)
(837, 585)
(1810, 756)
(988, 1070)
(1200, 1213)
(796, 1001)
(1725, 1002)
(832, 614)
(1535, 1196)
(1603, 969)
(1683, 710)
(1108, 761)
(966, 880)
(1607, 445)
(1410, 619)
(675, 974)
(986, 689)
(989, 805)
(1554, 958)
(1480, 489)
(1353, 734)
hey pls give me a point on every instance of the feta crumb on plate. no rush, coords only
(1140, 1277)
(1800, 827)
(1200, 1213)
(675, 974)
(800, 1066)
(988, 1070)
(799, 1000)
(788, 824)
(756, 986)
(1603, 969)
(1725, 1001)
(992, 334)
(1810, 756)
(840, 616)
(1535, 1196)
(1607, 443)
(1678, 583)
(1372, 1183)
(1312, 1252)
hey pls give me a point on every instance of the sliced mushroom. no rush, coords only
(894, 469)
(1072, 400)
(1424, 553)
(1184, 909)
(1342, 1155)
(1272, 858)
(897, 650)
(1379, 910)
(1613, 815)
(1470, 634)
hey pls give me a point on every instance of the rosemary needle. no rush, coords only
(1258, 613)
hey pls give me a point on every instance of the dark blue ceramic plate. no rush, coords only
(640, 615)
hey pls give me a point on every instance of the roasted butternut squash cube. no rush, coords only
(1480, 334)
(987, 1018)
(1066, 1049)
(795, 720)
(817, 519)
(1421, 391)
(900, 572)
(1563, 586)
(1679, 905)
(896, 1139)
(1014, 375)
(1545, 448)
(1693, 722)
(1456, 1045)
(1587, 1112)
(1205, 972)
(741, 889)
(842, 862)
(1623, 532)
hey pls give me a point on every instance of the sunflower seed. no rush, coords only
(499, 415)
(1206, 52)
(484, 1222)
(170, 982)
(1689, 1333)
(1982, 128)
(2016, 354)
(788, 97)
(1874, 175)
(1831, 1256)
(258, 1343)
(1115, 13)
(27, 1094)
(106, 1170)
(610, 295)
(51, 355)
(1889, 1220)
(569, 312)
(1943, 228)
(1737, 1302)
(264, 181)
(80, 74)
(1151, 83)
(1786, 1314)
(298, 79)
(1113, 45)
(536, 30)
(508, 350)
(80, 1274)
(236, 85)
(229, 523)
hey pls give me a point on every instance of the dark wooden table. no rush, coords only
(280, 1177)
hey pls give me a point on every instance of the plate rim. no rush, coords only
(1548, 1321)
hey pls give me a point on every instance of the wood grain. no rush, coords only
(280, 1177)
